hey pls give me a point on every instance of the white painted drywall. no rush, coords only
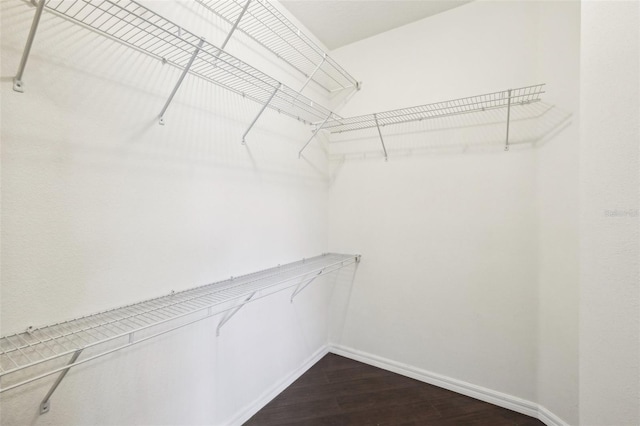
(448, 278)
(102, 207)
(609, 184)
(557, 193)
(470, 254)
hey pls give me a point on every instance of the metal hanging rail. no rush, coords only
(263, 23)
(140, 28)
(504, 99)
(54, 349)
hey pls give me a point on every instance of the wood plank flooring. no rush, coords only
(339, 391)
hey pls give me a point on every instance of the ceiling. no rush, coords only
(338, 23)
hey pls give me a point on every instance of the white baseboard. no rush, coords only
(247, 412)
(550, 419)
(478, 392)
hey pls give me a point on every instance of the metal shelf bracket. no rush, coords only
(235, 25)
(324, 58)
(506, 143)
(304, 285)
(18, 85)
(375, 118)
(314, 135)
(231, 313)
(45, 405)
(260, 113)
(182, 76)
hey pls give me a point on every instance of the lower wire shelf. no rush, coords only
(44, 351)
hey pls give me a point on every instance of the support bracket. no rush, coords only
(45, 405)
(375, 118)
(182, 76)
(235, 25)
(260, 113)
(314, 135)
(506, 143)
(324, 58)
(18, 85)
(232, 312)
(304, 285)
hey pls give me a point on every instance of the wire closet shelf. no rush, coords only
(140, 28)
(34, 352)
(267, 26)
(478, 103)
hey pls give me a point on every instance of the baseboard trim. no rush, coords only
(247, 412)
(548, 418)
(484, 394)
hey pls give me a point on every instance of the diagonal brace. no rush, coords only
(182, 76)
(260, 113)
(375, 118)
(235, 25)
(304, 285)
(324, 58)
(506, 143)
(17, 81)
(45, 405)
(229, 314)
(314, 135)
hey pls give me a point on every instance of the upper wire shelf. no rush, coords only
(478, 103)
(34, 352)
(267, 26)
(136, 26)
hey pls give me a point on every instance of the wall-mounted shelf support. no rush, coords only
(506, 143)
(235, 25)
(313, 135)
(185, 71)
(324, 58)
(375, 118)
(45, 405)
(232, 312)
(304, 285)
(18, 85)
(260, 113)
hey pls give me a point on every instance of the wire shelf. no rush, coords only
(136, 26)
(478, 103)
(104, 332)
(271, 29)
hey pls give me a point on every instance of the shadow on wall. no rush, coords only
(530, 125)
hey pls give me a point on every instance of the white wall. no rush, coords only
(557, 193)
(448, 278)
(470, 254)
(102, 207)
(609, 252)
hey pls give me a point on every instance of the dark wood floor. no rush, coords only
(339, 391)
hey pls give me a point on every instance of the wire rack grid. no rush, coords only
(37, 346)
(478, 103)
(271, 29)
(138, 27)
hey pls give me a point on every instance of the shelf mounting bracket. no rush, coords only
(18, 85)
(375, 118)
(304, 285)
(314, 135)
(182, 76)
(235, 25)
(45, 405)
(232, 312)
(260, 113)
(506, 143)
(324, 58)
